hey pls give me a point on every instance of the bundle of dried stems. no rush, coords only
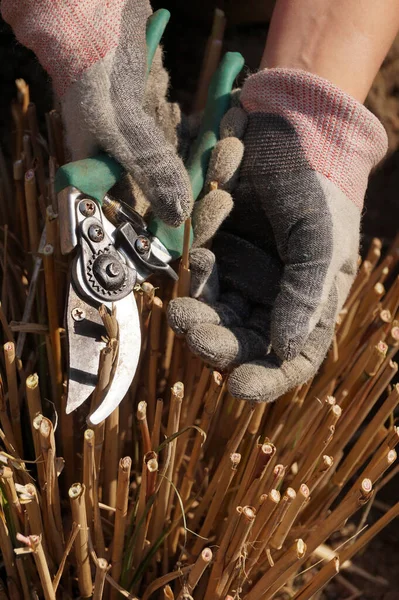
(184, 492)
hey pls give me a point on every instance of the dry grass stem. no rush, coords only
(122, 500)
(186, 491)
(31, 210)
(40, 560)
(76, 496)
(13, 398)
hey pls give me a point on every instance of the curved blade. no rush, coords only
(128, 357)
(85, 330)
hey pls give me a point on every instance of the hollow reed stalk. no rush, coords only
(210, 59)
(68, 443)
(203, 561)
(290, 559)
(31, 210)
(231, 447)
(321, 578)
(122, 500)
(88, 474)
(104, 374)
(161, 509)
(13, 399)
(102, 567)
(18, 173)
(236, 549)
(7, 551)
(111, 458)
(210, 408)
(34, 403)
(140, 523)
(7, 478)
(154, 352)
(316, 537)
(217, 501)
(42, 566)
(282, 531)
(192, 411)
(76, 495)
(33, 510)
(38, 155)
(319, 443)
(355, 415)
(58, 136)
(361, 446)
(6, 423)
(252, 525)
(52, 312)
(156, 430)
(142, 419)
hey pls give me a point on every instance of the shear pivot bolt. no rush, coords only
(87, 208)
(78, 314)
(142, 244)
(113, 269)
(96, 233)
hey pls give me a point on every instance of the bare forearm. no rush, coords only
(344, 41)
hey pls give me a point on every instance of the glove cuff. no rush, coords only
(340, 138)
(68, 37)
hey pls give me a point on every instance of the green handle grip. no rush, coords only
(217, 104)
(92, 176)
(96, 175)
(156, 25)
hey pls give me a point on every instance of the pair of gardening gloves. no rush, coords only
(284, 192)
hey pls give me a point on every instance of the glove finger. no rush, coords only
(204, 275)
(129, 134)
(224, 164)
(156, 165)
(268, 379)
(208, 214)
(143, 148)
(225, 347)
(186, 313)
(234, 123)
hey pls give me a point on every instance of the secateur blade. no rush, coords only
(85, 331)
(126, 361)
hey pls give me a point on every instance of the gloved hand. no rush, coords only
(283, 262)
(95, 52)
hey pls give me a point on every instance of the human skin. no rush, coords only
(344, 41)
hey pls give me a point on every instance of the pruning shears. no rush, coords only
(115, 249)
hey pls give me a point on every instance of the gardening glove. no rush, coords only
(95, 52)
(283, 261)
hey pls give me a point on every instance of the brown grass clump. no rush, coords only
(184, 492)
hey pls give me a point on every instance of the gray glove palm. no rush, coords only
(283, 262)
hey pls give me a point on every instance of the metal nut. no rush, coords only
(87, 208)
(142, 244)
(78, 314)
(96, 233)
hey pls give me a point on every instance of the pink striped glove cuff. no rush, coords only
(67, 36)
(340, 138)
